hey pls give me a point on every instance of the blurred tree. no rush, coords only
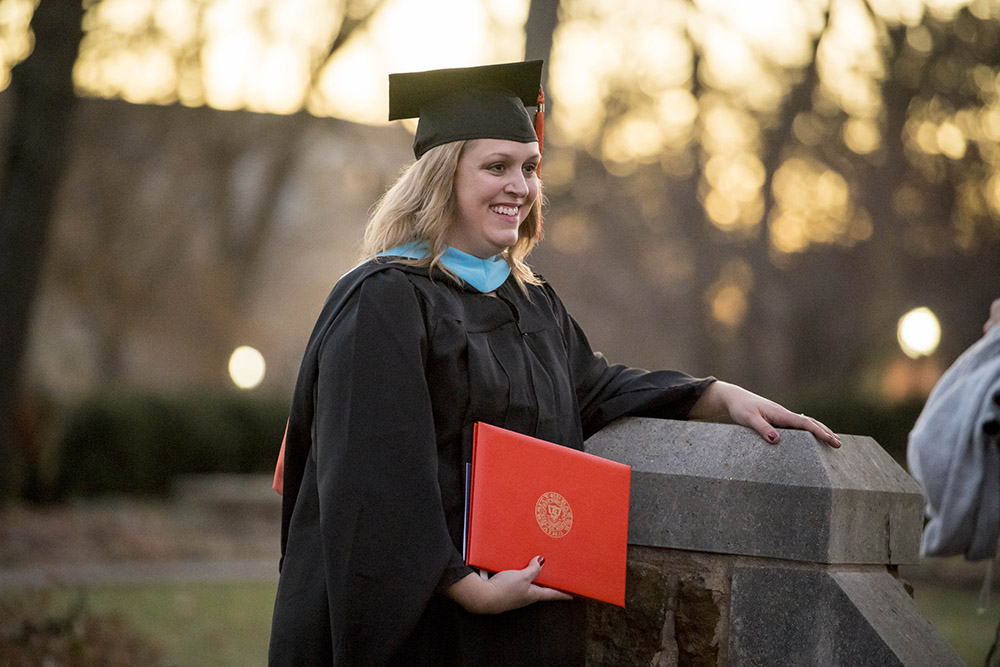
(35, 151)
(228, 176)
(744, 146)
(539, 30)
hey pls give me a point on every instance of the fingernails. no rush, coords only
(772, 437)
(541, 561)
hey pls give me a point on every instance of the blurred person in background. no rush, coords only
(953, 453)
(443, 325)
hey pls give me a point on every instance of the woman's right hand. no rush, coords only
(503, 591)
(994, 319)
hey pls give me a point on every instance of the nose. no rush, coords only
(517, 184)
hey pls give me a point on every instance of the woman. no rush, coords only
(445, 325)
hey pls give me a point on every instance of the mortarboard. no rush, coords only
(486, 102)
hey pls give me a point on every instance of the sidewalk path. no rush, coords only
(137, 572)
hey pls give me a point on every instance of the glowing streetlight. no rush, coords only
(246, 367)
(919, 333)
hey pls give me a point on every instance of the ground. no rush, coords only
(204, 520)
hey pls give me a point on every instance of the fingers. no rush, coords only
(764, 416)
(823, 433)
(549, 594)
(818, 429)
(764, 428)
(533, 568)
(502, 591)
(791, 420)
(539, 593)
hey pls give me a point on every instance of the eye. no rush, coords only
(496, 167)
(530, 168)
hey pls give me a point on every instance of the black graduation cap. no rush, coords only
(486, 102)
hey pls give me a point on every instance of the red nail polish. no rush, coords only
(772, 436)
(541, 560)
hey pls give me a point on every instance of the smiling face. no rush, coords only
(496, 184)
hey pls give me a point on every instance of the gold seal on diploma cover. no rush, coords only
(553, 514)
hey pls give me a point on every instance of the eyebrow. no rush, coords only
(509, 156)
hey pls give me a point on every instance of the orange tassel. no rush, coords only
(279, 469)
(540, 118)
(539, 132)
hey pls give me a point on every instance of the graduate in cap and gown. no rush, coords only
(443, 324)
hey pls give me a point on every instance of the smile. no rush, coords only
(505, 210)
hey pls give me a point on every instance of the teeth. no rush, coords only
(505, 210)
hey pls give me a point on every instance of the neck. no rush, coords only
(484, 274)
(481, 254)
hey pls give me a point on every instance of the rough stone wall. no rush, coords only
(676, 613)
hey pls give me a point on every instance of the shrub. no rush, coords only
(130, 442)
(31, 636)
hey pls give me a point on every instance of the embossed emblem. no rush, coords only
(553, 514)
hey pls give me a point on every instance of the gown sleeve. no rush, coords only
(385, 540)
(608, 391)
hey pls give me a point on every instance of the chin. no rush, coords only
(506, 242)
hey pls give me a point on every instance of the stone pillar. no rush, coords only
(745, 553)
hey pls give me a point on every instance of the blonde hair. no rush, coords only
(420, 206)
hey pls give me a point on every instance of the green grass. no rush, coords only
(954, 613)
(217, 625)
(228, 625)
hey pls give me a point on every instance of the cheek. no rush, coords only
(533, 189)
(466, 200)
(479, 190)
(532, 197)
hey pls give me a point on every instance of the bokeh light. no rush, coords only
(919, 333)
(729, 296)
(246, 367)
(15, 38)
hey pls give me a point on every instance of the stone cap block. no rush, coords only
(786, 616)
(721, 488)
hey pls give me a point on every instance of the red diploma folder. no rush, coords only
(533, 498)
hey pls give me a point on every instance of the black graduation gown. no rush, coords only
(398, 369)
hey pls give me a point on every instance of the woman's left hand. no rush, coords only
(722, 399)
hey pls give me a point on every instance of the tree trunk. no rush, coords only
(540, 26)
(36, 143)
(770, 326)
